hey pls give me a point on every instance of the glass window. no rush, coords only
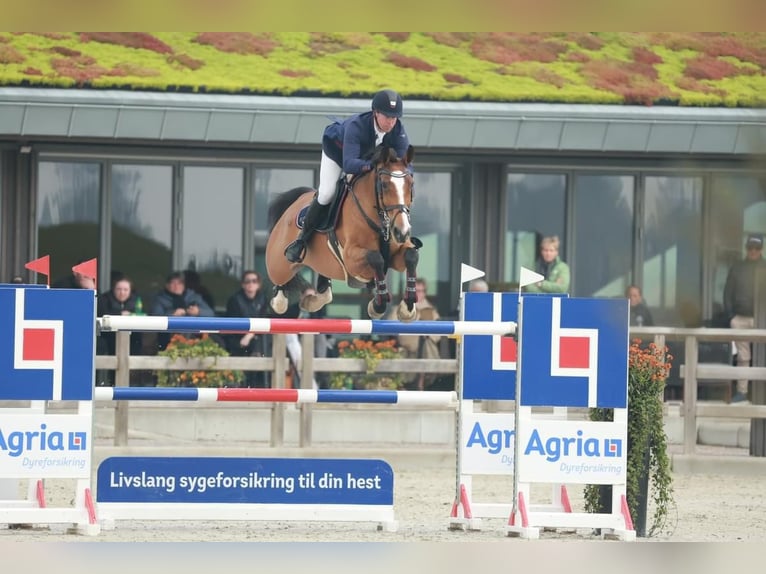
(211, 236)
(431, 218)
(672, 248)
(68, 203)
(536, 207)
(142, 224)
(738, 204)
(603, 235)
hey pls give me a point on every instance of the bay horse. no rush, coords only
(371, 233)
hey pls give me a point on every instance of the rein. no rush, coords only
(384, 228)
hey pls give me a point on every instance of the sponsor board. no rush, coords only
(487, 442)
(573, 452)
(245, 480)
(47, 344)
(561, 451)
(40, 446)
(574, 352)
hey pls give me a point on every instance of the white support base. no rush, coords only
(42, 517)
(110, 512)
(465, 524)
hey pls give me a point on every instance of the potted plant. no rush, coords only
(200, 348)
(648, 464)
(372, 352)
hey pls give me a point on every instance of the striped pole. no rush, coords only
(443, 399)
(328, 326)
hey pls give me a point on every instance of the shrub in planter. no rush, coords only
(203, 348)
(648, 464)
(372, 352)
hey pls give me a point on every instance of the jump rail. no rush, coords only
(297, 326)
(298, 396)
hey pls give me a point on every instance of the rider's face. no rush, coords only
(385, 124)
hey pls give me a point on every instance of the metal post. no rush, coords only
(122, 379)
(307, 377)
(690, 394)
(279, 352)
(758, 388)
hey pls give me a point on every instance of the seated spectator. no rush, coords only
(640, 316)
(194, 282)
(178, 301)
(248, 301)
(478, 286)
(119, 300)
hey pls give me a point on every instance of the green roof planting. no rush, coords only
(660, 69)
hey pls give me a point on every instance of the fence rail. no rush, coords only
(692, 372)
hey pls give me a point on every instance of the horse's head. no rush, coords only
(393, 192)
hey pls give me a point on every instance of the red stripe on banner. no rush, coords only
(310, 326)
(259, 395)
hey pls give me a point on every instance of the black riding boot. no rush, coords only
(297, 249)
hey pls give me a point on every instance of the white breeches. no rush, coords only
(329, 174)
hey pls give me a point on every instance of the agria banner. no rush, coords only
(558, 451)
(47, 344)
(40, 446)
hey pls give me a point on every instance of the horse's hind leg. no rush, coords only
(279, 302)
(322, 297)
(407, 310)
(377, 305)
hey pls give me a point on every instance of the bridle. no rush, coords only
(385, 219)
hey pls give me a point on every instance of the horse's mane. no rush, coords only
(281, 202)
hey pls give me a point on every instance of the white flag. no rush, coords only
(528, 277)
(468, 273)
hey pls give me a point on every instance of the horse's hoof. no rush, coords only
(372, 312)
(405, 314)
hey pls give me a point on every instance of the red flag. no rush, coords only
(86, 268)
(41, 265)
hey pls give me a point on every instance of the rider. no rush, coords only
(350, 143)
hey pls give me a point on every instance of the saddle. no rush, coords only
(333, 211)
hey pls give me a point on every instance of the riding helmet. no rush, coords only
(388, 103)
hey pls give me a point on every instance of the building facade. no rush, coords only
(152, 182)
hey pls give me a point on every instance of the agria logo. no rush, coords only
(46, 344)
(553, 448)
(18, 442)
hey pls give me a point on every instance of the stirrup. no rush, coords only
(295, 252)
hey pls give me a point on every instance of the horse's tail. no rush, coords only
(281, 202)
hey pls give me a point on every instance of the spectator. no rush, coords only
(120, 300)
(194, 282)
(249, 301)
(422, 346)
(739, 302)
(640, 316)
(554, 271)
(178, 301)
(478, 286)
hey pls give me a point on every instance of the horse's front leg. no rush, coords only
(376, 308)
(407, 310)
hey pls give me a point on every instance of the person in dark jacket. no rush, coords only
(178, 301)
(640, 316)
(248, 301)
(739, 302)
(119, 300)
(347, 147)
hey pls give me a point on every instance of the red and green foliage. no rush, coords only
(649, 68)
